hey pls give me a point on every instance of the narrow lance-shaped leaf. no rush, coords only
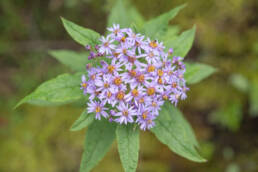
(63, 89)
(99, 138)
(80, 34)
(75, 60)
(119, 15)
(83, 121)
(195, 72)
(128, 146)
(155, 27)
(175, 132)
(182, 43)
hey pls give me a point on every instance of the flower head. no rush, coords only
(135, 80)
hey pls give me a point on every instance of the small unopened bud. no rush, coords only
(87, 47)
(97, 47)
(88, 66)
(99, 54)
(92, 55)
(170, 51)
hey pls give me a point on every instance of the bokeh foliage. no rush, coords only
(222, 109)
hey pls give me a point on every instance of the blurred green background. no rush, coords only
(222, 109)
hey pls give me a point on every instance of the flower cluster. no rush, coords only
(135, 80)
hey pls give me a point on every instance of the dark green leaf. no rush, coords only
(99, 137)
(155, 27)
(61, 90)
(175, 132)
(195, 72)
(76, 61)
(83, 121)
(80, 34)
(182, 43)
(128, 146)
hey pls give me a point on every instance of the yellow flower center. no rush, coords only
(109, 94)
(150, 91)
(106, 85)
(144, 115)
(125, 113)
(120, 95)
(116, 54)
(132, 73)
(160, 72)
(84, 85)
(174, 84)
(106, 44)
(93, 76)
(141, 78)
(160, 81)
(98, 109)
(123, 39)
(141, 100)
(151, 68)
(165, 97)
(154, 104)
(117, 81)
(135, 92)
(111, 68)
(153, 44)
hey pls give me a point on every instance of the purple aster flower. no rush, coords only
(84, 84)
(136, 80)
(145, 118)
(125, 113)
(116, 31)
(106, 46)
(98, 108)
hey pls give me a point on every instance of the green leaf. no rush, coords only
(155, 27)
(119, 15)
(99, 138)
(195, 72)
(83, 121)
(74, 60)
(175, 132)
(128, 146)
(63, 89)
(80, 34)
(171, 33)
(182, 43)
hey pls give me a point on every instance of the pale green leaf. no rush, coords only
(195, 72)
(182, 43)
(80, 34)
(63, 89)
(175, 132)
(99, 138)
(119, 15)
(128, 146)
(75, 60)
(157, 26)
(83, 121)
